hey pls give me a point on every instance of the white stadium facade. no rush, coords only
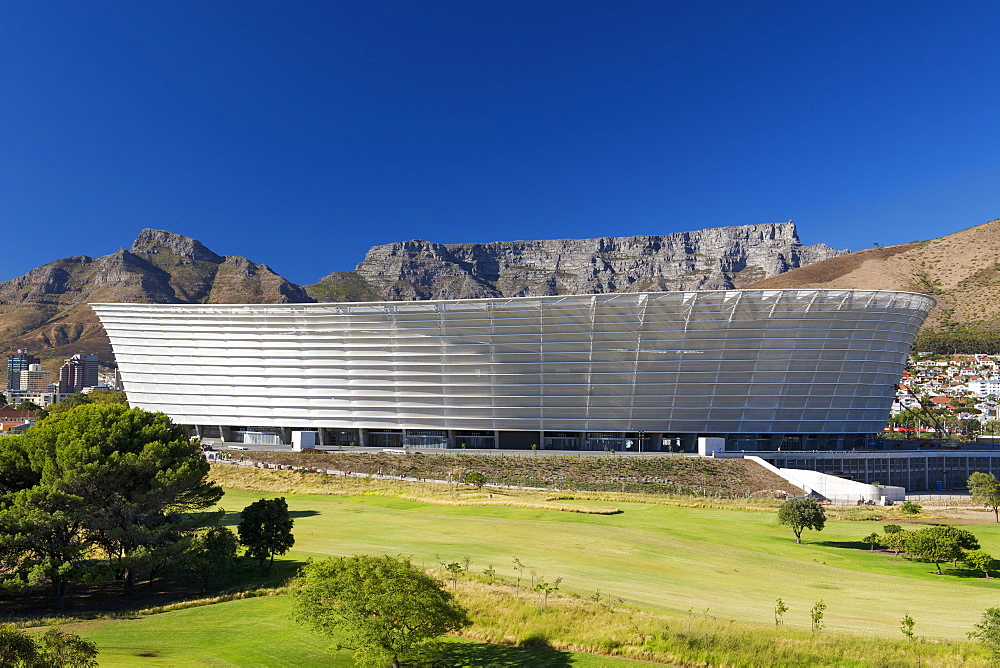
(763, 369)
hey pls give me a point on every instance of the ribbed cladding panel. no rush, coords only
(793, 361)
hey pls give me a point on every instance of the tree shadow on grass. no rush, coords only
(846, 544)
(467, 654)
(232, 518)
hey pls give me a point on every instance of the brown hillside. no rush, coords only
(46, 310)
(961, 270)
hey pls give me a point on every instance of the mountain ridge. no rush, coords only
(46, 311)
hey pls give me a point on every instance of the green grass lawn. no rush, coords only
(691, 562)
(733, 564)
(260, 632)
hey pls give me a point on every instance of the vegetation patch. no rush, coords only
(679, 475)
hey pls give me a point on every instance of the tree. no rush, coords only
(212, 554)
(801, 514)
(105, 477)
(970, 426)
(43, 537)
(940, 543)
(985, 489)
(544, 589)
(987, 631)
(979, 560)
(265, 530)
(53, 649)
(871, 540)
(80, 399)
(909, 508)
(141, 479)
(895, 541)
(816, 616)
(779, 610)
(108, 397)
(476, 478)
(387, 610)
(906, 625)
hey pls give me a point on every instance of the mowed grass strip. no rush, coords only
(730, 563)
(260, 632)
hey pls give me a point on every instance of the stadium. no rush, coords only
(766, 370)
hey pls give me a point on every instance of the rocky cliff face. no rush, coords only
(46, 309)
(719, 258)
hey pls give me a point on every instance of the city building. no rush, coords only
(17, 363)
(765, 370)
(78, 372)
(34, 380)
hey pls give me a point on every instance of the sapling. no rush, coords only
(779, 610)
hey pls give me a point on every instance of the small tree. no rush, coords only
(871, 540)
(387, 610)
(987, 631)
(979, 561)
(801, 514)
(816, 615)
(520, 573)
(895, 541)
(54, 648)
(909, 508)
(266, 530)
(779, 611)
(453, 568)
(906, 625)
(985, 489)
(475, 478)
(544, 589)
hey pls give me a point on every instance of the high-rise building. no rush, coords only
(16, 363)
(78, 372)
(34, 380)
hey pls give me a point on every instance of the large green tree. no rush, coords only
(387, 610)
(801, 514)
(100, 477)
(265, 529)
(985, 489)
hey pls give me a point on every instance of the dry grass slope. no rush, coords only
(727, 478)
(960, 270)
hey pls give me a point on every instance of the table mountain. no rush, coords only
(46, 310)
(718, 258)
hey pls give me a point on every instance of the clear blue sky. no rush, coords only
(298, 134)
